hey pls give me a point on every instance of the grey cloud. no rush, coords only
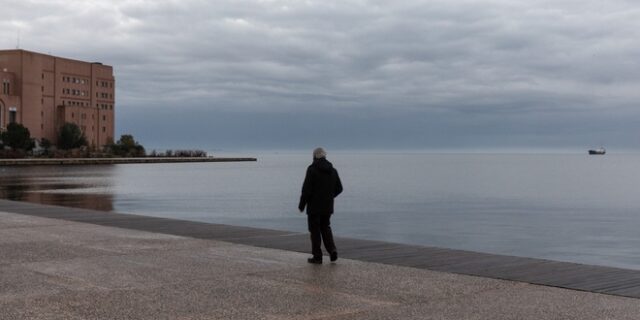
(470, 65)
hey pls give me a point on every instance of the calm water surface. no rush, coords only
(576, 208)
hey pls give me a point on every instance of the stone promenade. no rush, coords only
(60, 269)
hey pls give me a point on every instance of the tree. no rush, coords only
(71, 137)
(127, 146)
(17, 137)
(45, 144)
(127, 141)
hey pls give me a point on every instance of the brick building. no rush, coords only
(42, 92)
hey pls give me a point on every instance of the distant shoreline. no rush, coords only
(98, 161)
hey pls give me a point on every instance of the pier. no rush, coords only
(60, 263)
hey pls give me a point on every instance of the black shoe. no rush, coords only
(315, 260)
(334, 256)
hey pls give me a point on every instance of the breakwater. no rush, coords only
(97, 161)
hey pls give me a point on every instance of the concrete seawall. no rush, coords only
(95, 161)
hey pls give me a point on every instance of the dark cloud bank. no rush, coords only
(436, 75)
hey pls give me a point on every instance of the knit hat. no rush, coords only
(319, 153)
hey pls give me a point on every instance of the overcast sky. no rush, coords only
(435, 75)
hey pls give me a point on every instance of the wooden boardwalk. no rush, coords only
(606, 280)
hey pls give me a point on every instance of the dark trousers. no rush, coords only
(320, 229)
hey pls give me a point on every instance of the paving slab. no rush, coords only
(10, 220)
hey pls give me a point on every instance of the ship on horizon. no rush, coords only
(599, 151)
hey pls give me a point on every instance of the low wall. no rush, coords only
(94, 161)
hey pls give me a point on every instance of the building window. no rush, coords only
(6, 87)
(104, 129)
(12, 116)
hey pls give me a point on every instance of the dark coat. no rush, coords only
(321, 185)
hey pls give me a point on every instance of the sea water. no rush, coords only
(567, 207)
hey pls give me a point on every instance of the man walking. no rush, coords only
(321, 185)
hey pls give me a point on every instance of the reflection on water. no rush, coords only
(62, 186)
